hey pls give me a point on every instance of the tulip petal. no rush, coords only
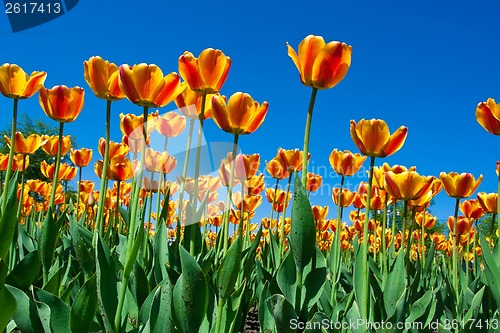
(396, 141)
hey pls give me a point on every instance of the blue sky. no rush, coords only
(422, 64)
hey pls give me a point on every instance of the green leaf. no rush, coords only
(59, 311)
(107, 294)
(160, 316)
(84, 307)
(8, 220)
(81, 245)
(303, 229)
(420, 305)
(228, 272)
(190, 294)
(139, 285)
(475, 305)
(48, 240)
(231, 310)
(160, 252)
(266, 319)
(360, 277)
(492, 270)
(283, 313)
(26, 315)
(25, 272)
(317, 324)
(395, 285)
(8, 302)
(287, 278)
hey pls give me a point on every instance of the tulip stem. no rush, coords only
(393, 227)
(183, 180)
(192, 240)
(455, 256)
(307, 135)
(104, 174)
(365, 297)
(8, 173)
(384, 245)
(283, 238)
(56, 171)
(21, 196)
(227, 209)
(78, 192)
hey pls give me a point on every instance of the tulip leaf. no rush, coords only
(82, 242)
(84, 307)
(303, 229)
(475, 305)
(283, 313)
(8, 302)
(232, 310)
(492, 270)
(360, 277)
(59, 311)
(8, 220)
(25, 272)
(160, 315)
(139, 285)
(190, 294)
(107, 294)
(419, 306)
(26, 314)
(317, 324)
(160, 252)
(266, 319)
(395, 285)
(228, 272)
(48, 240)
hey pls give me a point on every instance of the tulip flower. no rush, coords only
(407, 185)
(276, 169)
(207, 73)
(246, 166)
(61, 103)
(462, 227)
(374, 139)
(471, 209)
(321, 65)
(115, 149)
(319, 213)
(255, 184)
(488, 202)
(171, 124)
(132, 125)
(102, 77)
(16, 84)
(291, 159)
(313, 182)
(145, 85)
(488, 116)
(52, 143)
(460, 185)
(241, 115)
(28, 145)
(346, 163)
(81, 157)
(346, 197)
(426, 221)
(189, 103)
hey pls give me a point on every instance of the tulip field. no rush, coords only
(142, 250)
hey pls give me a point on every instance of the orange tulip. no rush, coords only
(150, 185)
(463, 226)
(171, 124)
(102, 77)
(374, 139)
(488, 116)
(115, 149)
(16, 84)
(313, 182)
(460, 185)
(145, 85)
(319, 212)
(246, 166)
(407, 185)
(291, 159)
(379, 172)
(224, 171)
(321, 65)
(251, 202)
(429, 221)
(159, 162)
(255, 185)
(346, 198)
(489, 202)
(346, 163)
(135, 145)
(69, 172)
(276, 169)
(17, 162)
(189, 102)
(471, 209)
(81, 157)
(120, 168)
(241, 115)
(279, 200)
(52, 142)
(49, 169)
(61, 103)
(132, 125)
(25, 145)
(86, 186)
(207, 73)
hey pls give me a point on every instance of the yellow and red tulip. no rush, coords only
(488, 116)
(460, 185)
(81, 157)
(16, 84)
(374, 139)
(61, 103)
(102, 78)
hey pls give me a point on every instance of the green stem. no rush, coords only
(394, 215)
(455, 257)
(405, 213)
(227, 210)
(283, 237)
(104, 176)
(336, 242)
(384, 245)
(8, 174)
(364, 299)
(133, 242)
(183, 179)
(22, 190)
(307, 135)
(150, 206)
(78, 192)
(56, 171)
(192, 240)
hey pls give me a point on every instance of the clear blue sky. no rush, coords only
(422, 64)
